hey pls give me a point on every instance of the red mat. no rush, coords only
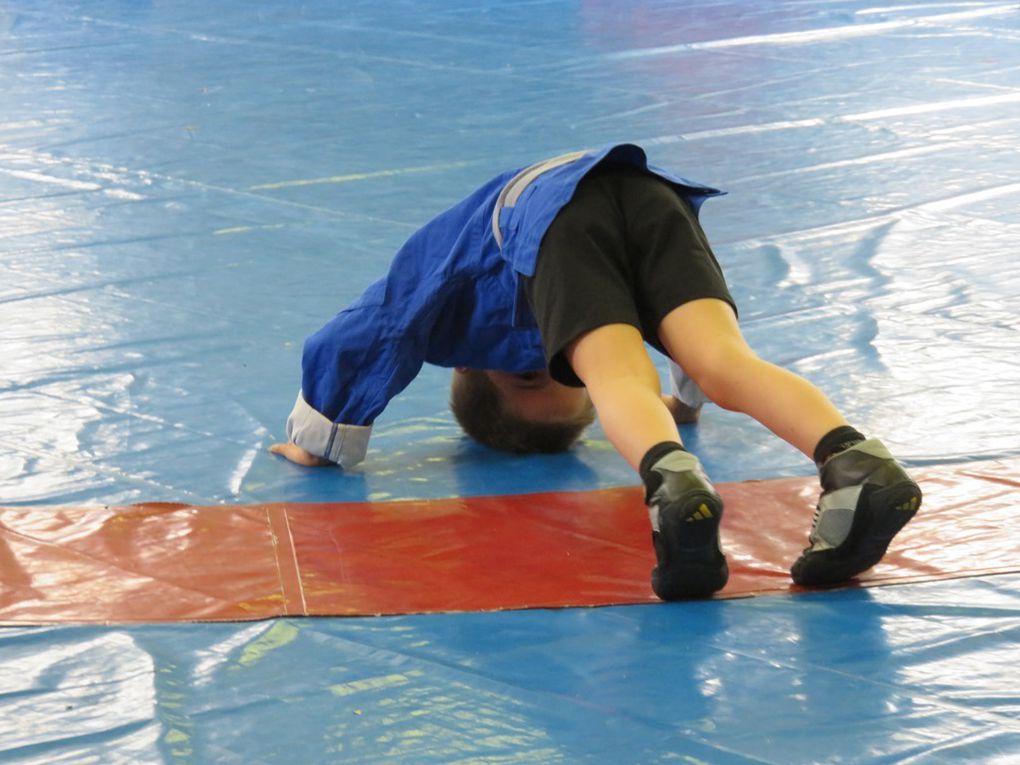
(162, 562)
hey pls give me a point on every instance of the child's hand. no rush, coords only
(298, 456)
(682, 414)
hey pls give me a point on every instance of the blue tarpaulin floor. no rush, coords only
(187, 190)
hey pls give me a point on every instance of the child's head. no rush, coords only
(522, 413)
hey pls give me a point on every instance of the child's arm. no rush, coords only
(299, 456)
(686, 398)
(351, 369)
(365, 356)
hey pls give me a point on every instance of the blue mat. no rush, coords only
(187, 190)
(918, 673)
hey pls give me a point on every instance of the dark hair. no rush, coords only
(479, 408)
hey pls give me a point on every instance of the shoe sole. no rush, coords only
(879, 516)
(691, 564)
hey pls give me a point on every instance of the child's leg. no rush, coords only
(704, 339)
(683, 507)
(866, 496)
(623, 384)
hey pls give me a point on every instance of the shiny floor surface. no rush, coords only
(188, 189)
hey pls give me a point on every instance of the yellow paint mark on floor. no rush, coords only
(332, 179)
(279, 635)
(382, 682)
(243, 229)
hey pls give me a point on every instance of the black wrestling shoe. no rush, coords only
(685, 512)
(866, 499)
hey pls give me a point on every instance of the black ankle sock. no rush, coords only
(655, 454)
(835, 441)
(652, 456)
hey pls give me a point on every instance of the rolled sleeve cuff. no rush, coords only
(314, 432)
(684, 388)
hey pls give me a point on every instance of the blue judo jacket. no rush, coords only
(452, 298)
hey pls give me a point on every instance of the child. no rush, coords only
(541, 290)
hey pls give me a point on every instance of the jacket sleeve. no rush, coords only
(371, 351)
(352, 367)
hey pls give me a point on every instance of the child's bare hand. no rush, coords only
(682, 414)
(298, 456)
